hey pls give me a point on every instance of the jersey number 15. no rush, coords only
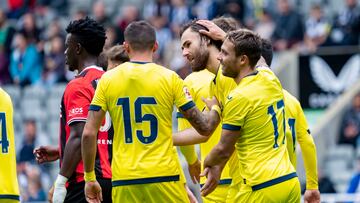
(139, 118)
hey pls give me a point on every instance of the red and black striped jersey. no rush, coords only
(74, 108)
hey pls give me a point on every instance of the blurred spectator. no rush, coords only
(18, 7)
(54, 63)
(79, 14)
(60, 5)
(163, 34)
(25, 61)
(346, 28)
(355, 179)
(235, 9)
(28, 144)
(30, 182)
(53, 30)
(180, 13)
(6, 36)
(206, 9)
(111, 37)
(325, 184)
(99, 13)
(29, 27)
(317, 29)
(349, 130)
(6, 32)
(288, 27)
(129, 14)
(265, 27)
(156, 8)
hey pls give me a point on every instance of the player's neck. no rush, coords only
(90, 61)
(142, 57)
(213, 64)
(243, 73)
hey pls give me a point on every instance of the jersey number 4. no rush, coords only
(279, 107)
(4, 141)
(139, 118)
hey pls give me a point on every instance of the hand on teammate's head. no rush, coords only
(215, 32)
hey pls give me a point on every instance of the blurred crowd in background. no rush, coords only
(32, 35)
(32, 31)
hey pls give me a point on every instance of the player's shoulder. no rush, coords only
(289, 98)
(4, 95)
(200, 76)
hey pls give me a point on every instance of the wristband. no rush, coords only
(89, 176)
(217, 109)
(61, 180)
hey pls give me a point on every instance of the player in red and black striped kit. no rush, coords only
(84, 42)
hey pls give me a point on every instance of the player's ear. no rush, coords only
(155, 48)
(126, 47)
(78, 48)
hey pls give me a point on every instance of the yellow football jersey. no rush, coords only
(140, 97)
(8, 179)
(256, 108)
(299, 131)
(199, 85)
(220, 87)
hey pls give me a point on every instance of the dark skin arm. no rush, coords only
(72, 151)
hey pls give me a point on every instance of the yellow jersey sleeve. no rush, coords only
(188, 151)
(308, 149)
(183, 99)
(99, 99)
(235, 112)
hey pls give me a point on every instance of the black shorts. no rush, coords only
(76, 194)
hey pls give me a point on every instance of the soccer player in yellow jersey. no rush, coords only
(295, 117)
(201, 52)
(297, 131)
(254, 124)
(9, 188)
(139, 95)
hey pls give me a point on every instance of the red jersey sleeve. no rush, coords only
(77, 101)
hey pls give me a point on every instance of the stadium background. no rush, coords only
(317, 59)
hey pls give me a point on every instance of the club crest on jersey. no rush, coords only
(187, 93)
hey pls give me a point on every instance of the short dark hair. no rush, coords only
(195, 27)
(227, 24)
(140, 35)
(247, 43)
(117, 53)
(90, 34)
(266, 51)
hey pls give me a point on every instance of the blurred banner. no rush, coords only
(324, 77)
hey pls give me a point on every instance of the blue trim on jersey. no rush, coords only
(145, 180)
(252, 74)
(231, 127)
(93, 107)
(222, 182)
(274, 181)
(187, 106)
(140, 62)
(179, 115)
(14, 197)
